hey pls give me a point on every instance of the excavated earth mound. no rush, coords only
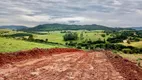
(66, 64)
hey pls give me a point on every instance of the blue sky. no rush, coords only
(113, 13)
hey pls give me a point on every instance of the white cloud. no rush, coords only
(139, 12)
(22, 10)
(114, 13)
(37, 18)
(116, 2)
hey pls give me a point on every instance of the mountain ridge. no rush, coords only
(13, 27)
(56, 26)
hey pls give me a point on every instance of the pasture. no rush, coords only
(12, 45)
(57, 36)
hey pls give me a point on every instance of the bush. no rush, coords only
(31, 38)
(66, 43)
(103, 35)
(91, 47)
(86, 47)
(39, 40)
(79, 47)
(46, 40)
(127, 51)
(71, 43)
(136, 50)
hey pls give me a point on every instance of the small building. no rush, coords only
(125, 41)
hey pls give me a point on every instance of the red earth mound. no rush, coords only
(66, 64)
(35, 53)
(128, 69)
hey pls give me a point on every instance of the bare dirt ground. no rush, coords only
(71, 65)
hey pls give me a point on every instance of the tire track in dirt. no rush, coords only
(68, 65)
(72, 69)
(104, 68)
(45, 62)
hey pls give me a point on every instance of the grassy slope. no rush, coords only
(132, 57)
(12, 45)
(135, 44)
(55, 36)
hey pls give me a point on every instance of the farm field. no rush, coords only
(12, 45)
(57, 36)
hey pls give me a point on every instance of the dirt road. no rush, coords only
(66, 66)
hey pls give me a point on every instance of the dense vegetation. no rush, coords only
(123, 35)
(70, 36)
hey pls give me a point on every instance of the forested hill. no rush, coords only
(51, 27)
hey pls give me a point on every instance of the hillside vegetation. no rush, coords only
(53, 27)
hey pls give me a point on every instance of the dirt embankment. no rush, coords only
(66, 64)
(35, 53)
(128, 69)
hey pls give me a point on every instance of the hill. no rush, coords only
(52, 27)
(13, 27)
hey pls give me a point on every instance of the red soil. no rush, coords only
(128, 69)
(66, 64)
(35, 53)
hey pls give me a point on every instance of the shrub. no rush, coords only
(127, 50)
(86, 47)
(71, 43)
(46, 40)
(91, 47)
(31, 38)
(79, 47)
(103, 35)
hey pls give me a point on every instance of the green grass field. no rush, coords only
(12, 45)
(57, 37)
(134, 44)
(131, 57)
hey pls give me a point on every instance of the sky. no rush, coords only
(112, 13)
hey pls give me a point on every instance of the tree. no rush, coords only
(46, 40)
(103, 35)
(31, 37)
(81, 36)
(128, 41)
(70, 36)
